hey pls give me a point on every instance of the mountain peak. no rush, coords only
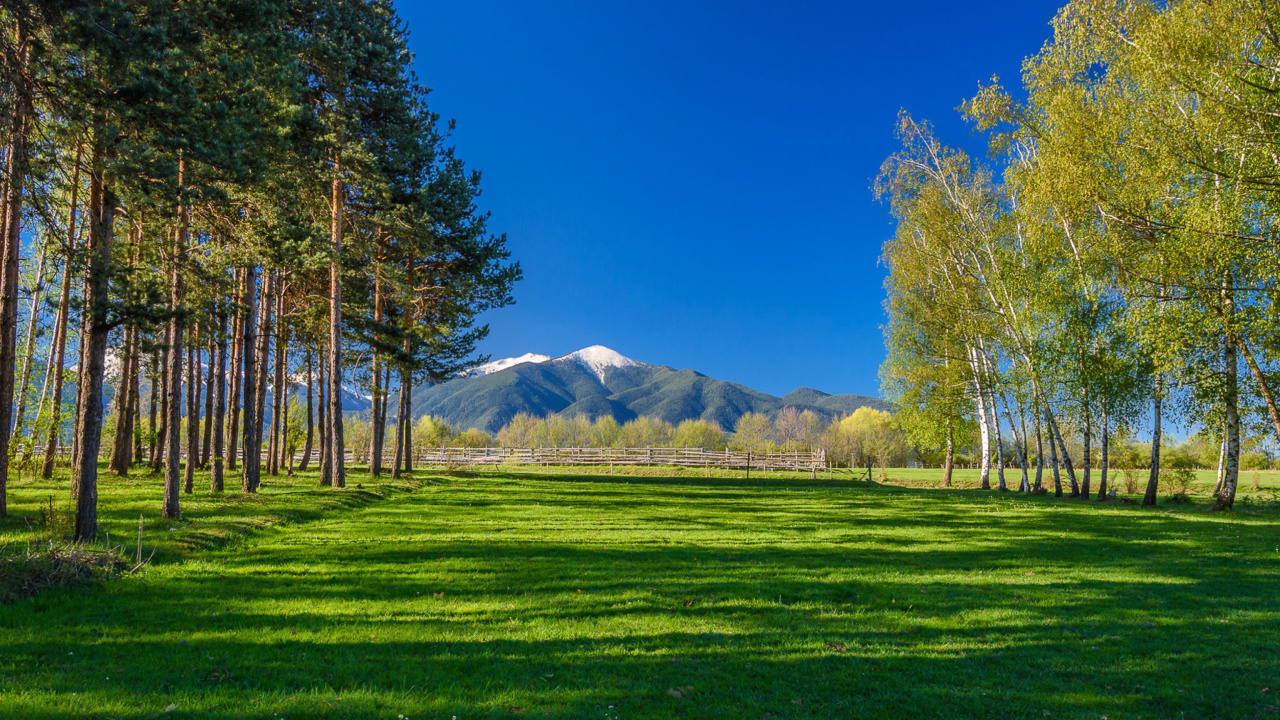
(503, 364)
(599, 358)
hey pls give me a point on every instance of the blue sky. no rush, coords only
(689, 182)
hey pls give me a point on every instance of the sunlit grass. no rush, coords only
(562, 594)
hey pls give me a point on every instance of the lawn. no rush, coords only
(558, 594)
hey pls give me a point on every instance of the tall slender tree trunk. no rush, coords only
(326, 477)
(406, 426)
(948, 462)
(1056, 434)
(1053, 457)
(278, 393)
(1039, 455)
(237, 361)
(15, 181)
(265, 331)
(375, 414)
(58, 355)
(193, 415)
(151, 412)
(399, 449)
(252, 456)
(1086, 455)
(995, 423)
(121, 443)
(306, 451)
(135, 398)
(98, 250)
(984, 430)
(173, 368)
(1230, 476)
(1222, 463)
(1025, 485)
(162, 432)
(216, 481)
(1153, 479)
(206, 443)
(30, 350)
(336, 442)
(1102, 469)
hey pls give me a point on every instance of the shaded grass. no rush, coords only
(506, 593)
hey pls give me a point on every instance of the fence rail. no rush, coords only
(643, 457)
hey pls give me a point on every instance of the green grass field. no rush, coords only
(558, 594)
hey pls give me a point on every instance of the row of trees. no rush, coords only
(1122, 264)
(867, 435)
(229, 196)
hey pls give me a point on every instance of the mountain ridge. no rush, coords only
(597, 381)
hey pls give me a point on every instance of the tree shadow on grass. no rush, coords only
(477, 601)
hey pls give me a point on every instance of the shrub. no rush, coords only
(1130, 477)
(1177, 481)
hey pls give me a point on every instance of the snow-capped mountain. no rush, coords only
(597, 381)
(599, 358)
(503, 364)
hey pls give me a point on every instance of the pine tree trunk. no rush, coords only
(252, 457)
(235, 380)
(58, 354)
(120, 446)
(326, 478)
(406, 427)
(193, 415)
(306, 451)
(1153, 479)
(155, 384)
(265, 323)
(336, 443)
(135, 400)
(278, 391)
(98, 251)
(216, 481)
(206, 443)
(399, 449)
(162, 432)
(173, 367)
(15, 181)
(30, 350)
(375, 432)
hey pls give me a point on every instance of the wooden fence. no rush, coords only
(642, 457)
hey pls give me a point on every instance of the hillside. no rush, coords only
(597, 382)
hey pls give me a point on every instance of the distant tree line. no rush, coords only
(867, 435)
(1117, 268)
(199, 201)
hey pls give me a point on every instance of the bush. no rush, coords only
(1254, 461)
(1177, 481)
(1130, 479)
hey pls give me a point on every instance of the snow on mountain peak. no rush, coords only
(598, 358)
(503, 364)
